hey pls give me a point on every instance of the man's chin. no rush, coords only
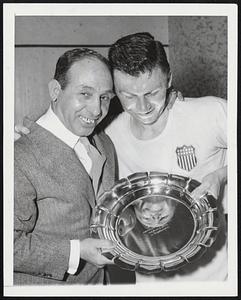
(85, 131)
(147, 122)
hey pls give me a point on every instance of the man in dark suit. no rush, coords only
(60, 167)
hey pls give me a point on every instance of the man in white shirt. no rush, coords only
(60, 167)
(190, 139)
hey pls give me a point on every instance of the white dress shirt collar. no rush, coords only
(51, 122)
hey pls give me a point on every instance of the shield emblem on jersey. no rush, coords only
(186, 158)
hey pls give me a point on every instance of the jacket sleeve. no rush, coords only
(221, 122)
(34, 253)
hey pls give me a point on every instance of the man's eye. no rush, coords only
(85, 94)
(128, 96)
(152, 94)
(146, 219)
(105, 98)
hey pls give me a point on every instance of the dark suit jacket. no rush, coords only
(53, 203)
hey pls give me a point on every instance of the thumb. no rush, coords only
(199, 192)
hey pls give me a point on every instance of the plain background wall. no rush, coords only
(198, 55)
(41, 40)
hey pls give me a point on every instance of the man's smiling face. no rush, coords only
(143, 96)
(155, 211)
(84, 102)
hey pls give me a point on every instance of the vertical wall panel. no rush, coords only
(198, 55)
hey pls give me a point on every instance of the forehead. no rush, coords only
(144, 79)
(90, 71)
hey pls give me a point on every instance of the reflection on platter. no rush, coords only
(155, 223)
(155, 226)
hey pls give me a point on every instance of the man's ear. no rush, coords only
(169, 80)
(54, 89)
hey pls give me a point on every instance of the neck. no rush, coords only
(149, 131)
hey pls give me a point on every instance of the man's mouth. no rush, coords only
(87, 120)
(143, 114)
(161, 221)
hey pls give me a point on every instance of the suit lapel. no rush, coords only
(97, 177)
(58, 153)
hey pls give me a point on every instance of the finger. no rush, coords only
(198, 193)
(180, 96)
(105, 250)
(25, 130)
(16, 136)
(203, 190)
(102, 260)
(105, 244)
(18, 128)
(21, 129)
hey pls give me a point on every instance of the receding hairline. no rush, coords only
(87, 57)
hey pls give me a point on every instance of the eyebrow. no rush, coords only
(155, 89)
(109, 91)
(129, 93)
(85, 87)
(91, 88)
(124, 92)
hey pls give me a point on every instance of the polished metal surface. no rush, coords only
(155, 223)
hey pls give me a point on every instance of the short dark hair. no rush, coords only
(66, 60)
(137, 53)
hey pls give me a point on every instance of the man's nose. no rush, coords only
(156, 219)
(96, 107)
(143, 104)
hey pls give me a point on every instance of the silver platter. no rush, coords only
(155, 222)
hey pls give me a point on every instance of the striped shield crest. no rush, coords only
(186, 157)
